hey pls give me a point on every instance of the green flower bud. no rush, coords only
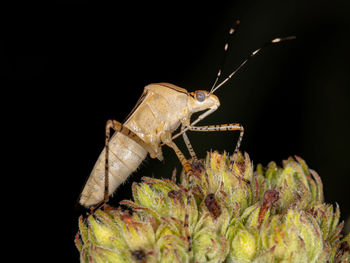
(244, 242)
(209, 245)
(297, 231)
(295, 184)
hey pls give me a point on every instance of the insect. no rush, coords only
(163, 107)
(160, 111)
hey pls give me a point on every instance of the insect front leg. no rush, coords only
(118, 127)
(186, 122)
(224, 127)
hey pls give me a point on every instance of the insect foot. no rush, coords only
(280, 216)
(197, 167)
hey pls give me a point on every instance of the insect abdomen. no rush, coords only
(157, 112)
(125, 155)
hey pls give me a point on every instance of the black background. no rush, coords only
(70, 67)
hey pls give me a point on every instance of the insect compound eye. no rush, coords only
(200, 96)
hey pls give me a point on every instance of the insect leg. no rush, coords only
(184, 162)
(197, 165)
(200, 117)
(188, 171)
(224, 127)
(189, 146)
(118, 127)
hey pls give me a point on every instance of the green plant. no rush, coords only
(236, 214)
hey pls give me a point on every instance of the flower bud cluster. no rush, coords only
(226, 212)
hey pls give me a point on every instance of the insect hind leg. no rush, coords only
(222, 127)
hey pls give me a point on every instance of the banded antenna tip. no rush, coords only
(279, 39)
(273, 41)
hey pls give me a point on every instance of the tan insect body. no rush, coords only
(162, 109)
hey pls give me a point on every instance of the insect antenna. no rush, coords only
(271, 42)
(233, 29)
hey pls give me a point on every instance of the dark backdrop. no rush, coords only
(72, 67)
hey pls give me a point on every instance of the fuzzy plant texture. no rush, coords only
(234, 214)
